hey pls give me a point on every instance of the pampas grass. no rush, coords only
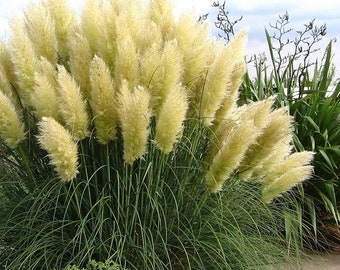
(139, 157)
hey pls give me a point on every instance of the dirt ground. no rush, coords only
(322, 262)
(313, 262)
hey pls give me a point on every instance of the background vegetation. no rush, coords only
(309, 88)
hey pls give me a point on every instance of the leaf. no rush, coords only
(324, 79)
(326, 158)
(311, 121)
(312, 213)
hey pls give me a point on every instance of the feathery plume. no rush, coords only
(44, 97)
(217, 83)
(134, 117)
(24, 59)
(5, 86)
(170, 68)
(258, 111)
(150, 75)
(295, 160)
(41, 30)
(218, 138)
(80, 58)
(65, 21)
(257, 172)
(278, 128)
(7, 64)
(151, 36)
(279, 154)
(229, 103)
(238, 45)
(285, 182)
(194, 41)
(161, 12)
(12, 130)
(239, 68)
(106, 41)
(170, 119)
(166, 73)
(127, 62)
(102, 100)
(61, 148)
(49, 70)
(90, 22)
(72, 106)
(231, 154)
(131, 21)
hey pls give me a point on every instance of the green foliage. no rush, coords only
(93, 265)
(312, 95)
(155, 214)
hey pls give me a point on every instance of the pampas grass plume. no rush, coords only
(102, 101)
(231, 154)
(72, 106)
(44, 98)
(217, 83)
(272, 135)
(41, 30)
(60, 146)
(24, 59)
(80, 58)
(294, 160)
(134, 117)
(127, 62)
(65, 21)
(12, 130)
(171, 118)
(285, 182)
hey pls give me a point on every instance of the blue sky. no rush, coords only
(256, 16)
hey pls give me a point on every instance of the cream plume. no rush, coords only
(60, 146)
(103, 101)
(134, 115)
(80, 58)
(171, 118)
(72, 106)
(65, 21)
(286, 182)
(127, 62)
(24, 59)
(44, 98)
(216, 84)
(195, 43)
(232, 152)
(41, 30)
(277, 130)
(161, 12)
(12, 130)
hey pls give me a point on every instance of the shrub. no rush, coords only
(127, 144)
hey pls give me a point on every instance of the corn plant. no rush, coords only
(122, 141)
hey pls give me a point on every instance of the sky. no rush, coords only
(256, 17)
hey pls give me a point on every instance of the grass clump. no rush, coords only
(138, 158)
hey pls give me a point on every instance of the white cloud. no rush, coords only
(249, 6)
